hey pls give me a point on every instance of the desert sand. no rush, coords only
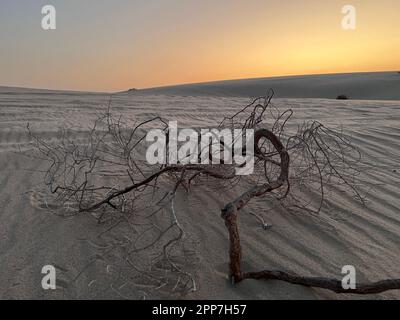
(344, 233)
(363, 86)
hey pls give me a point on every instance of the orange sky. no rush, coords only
(115, 45)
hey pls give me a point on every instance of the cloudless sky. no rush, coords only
(111, 45)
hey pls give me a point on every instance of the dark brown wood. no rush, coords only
(324, 283)
(230, 215)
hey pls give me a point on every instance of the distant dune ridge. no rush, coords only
(357, 86)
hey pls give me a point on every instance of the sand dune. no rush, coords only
(345, 233)
(359, 86)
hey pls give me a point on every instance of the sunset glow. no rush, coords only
(116, 45)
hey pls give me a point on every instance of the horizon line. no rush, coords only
(194, 83)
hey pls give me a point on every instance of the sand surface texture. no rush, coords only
(345, 233)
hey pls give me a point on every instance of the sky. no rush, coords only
(114, 45)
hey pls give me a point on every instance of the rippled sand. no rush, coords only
(344, 233)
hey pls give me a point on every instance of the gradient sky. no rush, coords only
(111, 45)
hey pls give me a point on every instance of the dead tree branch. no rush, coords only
(104, 172)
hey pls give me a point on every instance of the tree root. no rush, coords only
(324, 283)
(229, 214)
